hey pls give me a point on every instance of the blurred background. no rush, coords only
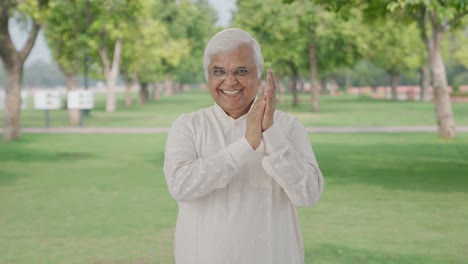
(89, 88)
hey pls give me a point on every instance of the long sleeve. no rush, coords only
(190, 176)
(290, 160)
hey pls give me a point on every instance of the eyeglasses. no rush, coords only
(221, 73)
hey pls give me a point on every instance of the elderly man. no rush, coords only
(238, 169)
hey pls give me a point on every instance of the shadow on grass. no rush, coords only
(331, 253)
(9, 177)
(10, 159)
(41, 156)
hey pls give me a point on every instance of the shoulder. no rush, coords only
(287, 122)
(194, 118)
(285, 118)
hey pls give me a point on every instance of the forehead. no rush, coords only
(238, 57)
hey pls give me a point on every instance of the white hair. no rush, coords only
(228, 40)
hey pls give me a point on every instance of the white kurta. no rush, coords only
(236, 204)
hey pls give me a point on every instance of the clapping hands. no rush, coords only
(261, 117)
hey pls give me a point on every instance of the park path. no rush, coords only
(159, 130)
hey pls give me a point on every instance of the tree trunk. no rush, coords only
(443, 105)
(293, 87)
(73, 114)
(293, 82)
(323, 84)
(315, 89)
(144, 93)
(168, 87)
(281, 90)
(425, 82)
(348, 79)
(111, 72)
(156, 91)
(13, 62)
(128, 90)
(393, 79)
(128, 95)
(12, 107)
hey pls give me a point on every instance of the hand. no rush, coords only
(253, 133)
(269, 95)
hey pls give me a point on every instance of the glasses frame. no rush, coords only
(235, 73)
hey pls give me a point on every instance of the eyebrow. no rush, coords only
(219, 67)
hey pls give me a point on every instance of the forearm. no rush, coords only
(292, 164)
(190, 176)
(190, 179)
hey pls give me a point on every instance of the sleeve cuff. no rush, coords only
(242, 152)
(273, 139)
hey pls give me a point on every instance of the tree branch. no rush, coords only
(105, 60)
(422, 23)
(23, 54)
(7, 48)
(456, 19)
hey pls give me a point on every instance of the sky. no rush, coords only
(42, 52)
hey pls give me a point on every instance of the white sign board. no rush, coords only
(80, 99)
(47, 100)
(24, 100)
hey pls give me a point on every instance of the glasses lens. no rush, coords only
(242, 71)
(221, 73)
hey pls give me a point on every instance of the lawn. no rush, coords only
(389, 198)
(335, 111)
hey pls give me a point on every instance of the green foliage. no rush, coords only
(33, 9)
(447, 14)
(396, 46)
(168, 41)
(460, 42)
(286, 31)
(65, 32)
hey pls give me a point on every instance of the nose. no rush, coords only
(230, 78)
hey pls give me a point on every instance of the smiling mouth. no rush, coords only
(231, 93)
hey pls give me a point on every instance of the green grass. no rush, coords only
(389, 198)
(335, 111)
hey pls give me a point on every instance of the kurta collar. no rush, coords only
(220, 113)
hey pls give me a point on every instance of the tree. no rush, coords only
(109, 21)
(434, 19)
(303, 27)
(65, 30)
(396, 48)
(141, 62)
(274, 25)
(190, 24)
(31, 13)
(195, 22)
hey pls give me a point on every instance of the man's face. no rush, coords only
(236, 92)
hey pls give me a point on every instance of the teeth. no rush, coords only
(231, 92)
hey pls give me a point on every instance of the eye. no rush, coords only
(241, 71)
(218, 72)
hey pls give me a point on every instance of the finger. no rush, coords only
(271, 80)
(258, 107)
(261, 89)
(271, 91)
